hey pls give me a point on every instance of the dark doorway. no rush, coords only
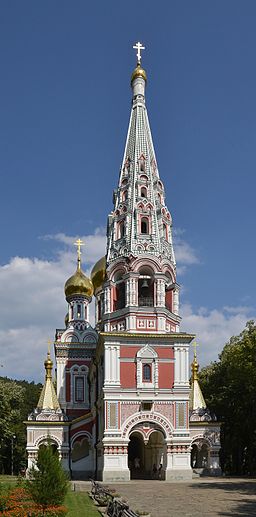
(136, 456)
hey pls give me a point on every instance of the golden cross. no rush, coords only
(49, 346)
(79, 243)
(138, 46)
(195, 344)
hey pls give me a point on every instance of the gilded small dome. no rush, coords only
(98, 273)
(79, 284)
(48, 364)
(138, 72)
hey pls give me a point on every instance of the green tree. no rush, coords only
(229, 386)
(47, 482)
(17, 400)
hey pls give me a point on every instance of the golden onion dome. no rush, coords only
(138, 72)
(98, 273)
(79, 284)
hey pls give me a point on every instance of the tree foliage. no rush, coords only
(229, 387)
(17, 400)
(47, 482)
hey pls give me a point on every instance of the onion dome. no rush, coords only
(98, 273)
(79, 284)
(138, 72)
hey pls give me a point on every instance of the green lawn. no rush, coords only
(80, 505)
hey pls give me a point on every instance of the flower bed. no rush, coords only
(16, 502)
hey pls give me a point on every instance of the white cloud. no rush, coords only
(32, 304)
(184, 253)
(213, 328)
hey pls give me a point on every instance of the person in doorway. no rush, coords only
(154, 476)
(137, 463)
(160, 468)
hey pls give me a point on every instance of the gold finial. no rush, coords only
(48, 364)
(79, 243)
(195, 365)
(138, 46)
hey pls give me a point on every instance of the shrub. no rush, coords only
(47, 482)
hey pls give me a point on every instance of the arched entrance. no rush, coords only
(147, 456)
(199, 455)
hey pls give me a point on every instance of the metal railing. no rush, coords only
(115, 507)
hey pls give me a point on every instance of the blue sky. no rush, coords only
(65, 102)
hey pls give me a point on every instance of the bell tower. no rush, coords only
(142, 359)
(140, 292)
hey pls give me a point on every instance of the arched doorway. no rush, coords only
(147, 456)
(199, 455)
(136, 456)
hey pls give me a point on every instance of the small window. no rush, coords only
(79, 389)
(165, 232)
(121, 230)
(146, 376)
(146, 406)
(144, 225)
(79, 311)
(125, 195)
(143, 192)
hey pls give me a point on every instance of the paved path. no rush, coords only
(207, 497)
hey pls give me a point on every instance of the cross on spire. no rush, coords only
(49, 347)
(195, 345)
(138, 46)
(79, 243)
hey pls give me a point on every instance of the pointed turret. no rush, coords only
(135, 285)
(140, 222)
(48, 398)
(196, 399)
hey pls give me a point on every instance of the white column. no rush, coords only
(112, 365)
(181, 365)
(61, 381)
(107, 299)
(176, 301)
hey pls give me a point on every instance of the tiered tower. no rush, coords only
(142, 359)
(141, 293)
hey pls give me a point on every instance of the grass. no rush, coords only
(79, 504)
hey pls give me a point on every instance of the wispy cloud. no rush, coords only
(214, 327)
(185, 254)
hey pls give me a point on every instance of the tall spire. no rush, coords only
(140, 222)
(196, 400)
(48, 398)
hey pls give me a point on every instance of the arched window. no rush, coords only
(165, 232)
(144, 225)
(146, 373)
(79, 389)
(121, 229)
(125, 195)
(143, 192)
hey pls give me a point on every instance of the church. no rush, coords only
(122, 406)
